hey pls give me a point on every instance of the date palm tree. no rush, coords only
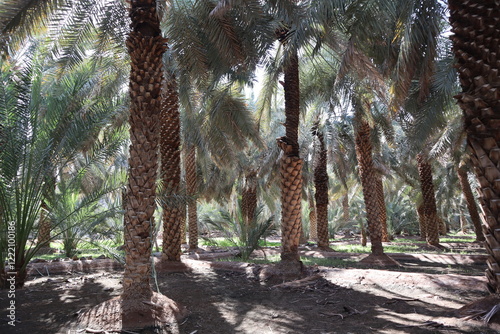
(321, 186)
(430, 215)
(475, 32)
(221, 44)
(471, 202)
(170, 153)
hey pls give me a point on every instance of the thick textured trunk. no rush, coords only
(249, 197)
(321, 185)
(363, 238)
(430, 209)
(146, 48)
(170, 139)
(44, 227)
(471, 203)
(422, 221)
(367, 174)
(475, 44)
(383, 210)
(313, 230)
(291, 166)
(191, 189)
(345, 208)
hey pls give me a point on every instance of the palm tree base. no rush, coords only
(326, 249)
(380, 260)
(165, 265)
(485, 309)
(282, 271)
(158, 314)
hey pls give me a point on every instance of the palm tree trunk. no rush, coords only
(383, 210)
(471, 203)
(146, 47)
(345, 208)
(44, 228)
(313, 229)
(249, 197)
(170, 139)
(430, 210)
(422, 221)
(368, 178)
(475, 44)
(191, 189)
(321, 194)
(291, 166)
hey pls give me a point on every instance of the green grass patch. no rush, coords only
(329, 262)
(451, 240)
(223, 242)
(309, 261)
(413, 241)
(267, 260)
(265, 243)
(366, 249)
(85, 249)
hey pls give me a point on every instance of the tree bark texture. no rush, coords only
(476, 46)
(367, 174)
(170, 153)
(422, 221)
(313, 230)
(430, 209)
(249, 197)
(345, 208)
(191, 189)
(383, 210)
(44, 227)
(321, 185)
(291, 166)
(146, 48)
(471, 203)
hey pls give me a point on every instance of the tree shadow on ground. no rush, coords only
(51, 304)
(231, 301)
(227, 302)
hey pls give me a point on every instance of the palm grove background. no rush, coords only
(331, 116)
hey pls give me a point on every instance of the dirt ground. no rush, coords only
(227, 298)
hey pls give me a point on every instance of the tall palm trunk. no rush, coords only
(170, 139)
(321, 185)
(471, 203)
(146, 48)
(345, 208)
(313, 227)
(191, 189)
(430, 209)
(44, 227)
(422, 221)
(368, 178)
(291, 166)
(383, 210)
(249, 197)
(475, 44)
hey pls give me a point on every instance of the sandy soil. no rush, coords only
(227, 297)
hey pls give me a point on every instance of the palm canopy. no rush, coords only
(73, 26)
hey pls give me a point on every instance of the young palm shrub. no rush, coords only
(77, 208)
(237, 232)
(46, 121)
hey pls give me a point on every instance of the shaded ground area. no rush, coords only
(227, 298)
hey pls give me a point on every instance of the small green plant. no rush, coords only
(237, 232)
